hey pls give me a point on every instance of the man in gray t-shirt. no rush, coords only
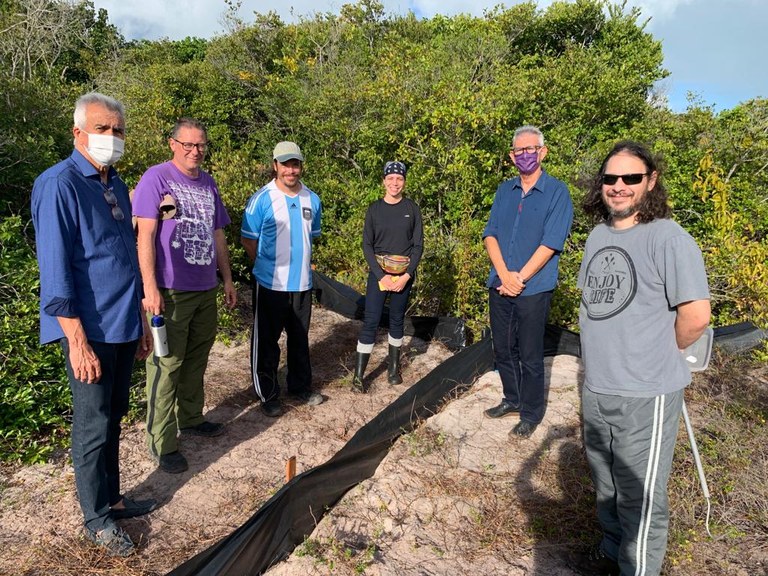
(644, 299)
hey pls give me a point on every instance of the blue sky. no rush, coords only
(715, 49)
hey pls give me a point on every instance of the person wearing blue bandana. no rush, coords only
(393, 241)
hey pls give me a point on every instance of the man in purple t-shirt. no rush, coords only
(182, 245)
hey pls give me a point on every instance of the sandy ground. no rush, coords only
(432, 506)
(438, 504)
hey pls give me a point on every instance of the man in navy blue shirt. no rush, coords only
(530, 220)
(90, 302)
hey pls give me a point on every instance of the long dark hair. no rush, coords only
(654, 203)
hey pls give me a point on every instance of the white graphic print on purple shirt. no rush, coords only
(194, 227)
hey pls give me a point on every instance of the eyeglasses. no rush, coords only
(188, 146)
(628, 179)
(109, 196)
(528, 149)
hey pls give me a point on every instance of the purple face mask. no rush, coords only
(527, 162)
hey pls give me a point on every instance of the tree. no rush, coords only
(44, 37)
(47, 49)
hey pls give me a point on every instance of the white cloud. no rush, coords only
(174, 19)
(660, 10)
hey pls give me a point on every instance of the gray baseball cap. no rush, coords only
(285, 151)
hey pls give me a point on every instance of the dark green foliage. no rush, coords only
(49, 53)
(34, 395)
(33, 134)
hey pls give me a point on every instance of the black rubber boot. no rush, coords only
(393, 373)
(361, 361)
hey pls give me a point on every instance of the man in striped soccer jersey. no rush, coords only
(279, 224)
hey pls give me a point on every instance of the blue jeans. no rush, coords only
(97, 411)
(374, 305)
(517, 328)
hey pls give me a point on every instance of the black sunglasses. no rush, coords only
(109, 196)
(628, 179)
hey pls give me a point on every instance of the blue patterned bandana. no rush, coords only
(394, 168)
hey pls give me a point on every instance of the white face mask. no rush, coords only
(105, 149)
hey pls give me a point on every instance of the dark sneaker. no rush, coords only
(523, 429)
(207, 429)
(309, 398)
(133, 508)
(113, 539)
(273, 409)
(593, 562)
(501, 410)
(173, 463)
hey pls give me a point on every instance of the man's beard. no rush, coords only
(625, 212)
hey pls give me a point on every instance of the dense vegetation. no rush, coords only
(355, 89)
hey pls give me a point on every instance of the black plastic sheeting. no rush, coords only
(348, 302)
(272, 533)
(291, 515)
(739, 338)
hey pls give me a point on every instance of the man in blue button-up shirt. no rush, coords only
(90, 302)
(530, 220)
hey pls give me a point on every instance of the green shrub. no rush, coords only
(35, 402)
(34, 394)
(735, 251)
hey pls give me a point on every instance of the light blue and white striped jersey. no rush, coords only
(284, 227)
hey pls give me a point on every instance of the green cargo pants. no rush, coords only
(175, 394)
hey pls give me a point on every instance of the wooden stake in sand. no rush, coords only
(290, 468)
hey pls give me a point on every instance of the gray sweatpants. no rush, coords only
(630, 443)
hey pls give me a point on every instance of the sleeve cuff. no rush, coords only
(64, 307)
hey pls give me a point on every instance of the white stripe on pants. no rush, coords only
(630, 444)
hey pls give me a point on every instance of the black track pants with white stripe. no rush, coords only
(273, 312)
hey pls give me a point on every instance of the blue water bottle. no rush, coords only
(159, 335)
